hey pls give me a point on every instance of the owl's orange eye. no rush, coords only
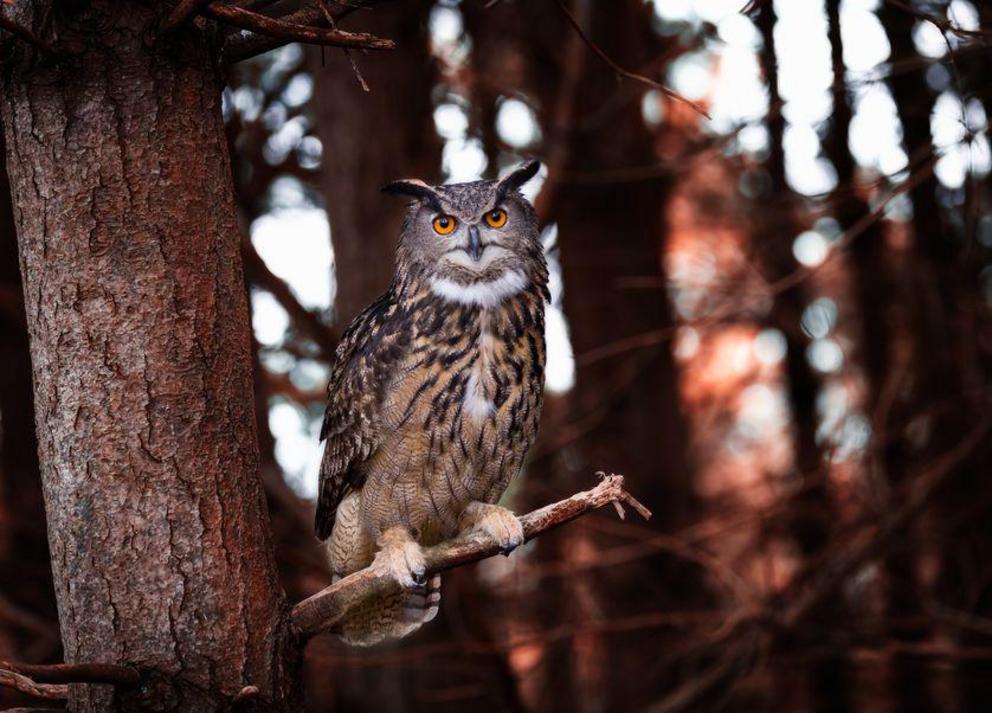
(496, 218)
(444, 224)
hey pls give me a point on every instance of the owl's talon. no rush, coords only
(402, 557)
(497, 522)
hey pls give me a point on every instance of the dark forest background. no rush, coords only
(773, 321)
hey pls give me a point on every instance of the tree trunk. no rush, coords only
(812, 508)
(610, 229)
(28, 629)
(372, 138)
(881, 352)
(950, 386)
(139, 339)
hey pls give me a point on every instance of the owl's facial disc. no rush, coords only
(469, 234)
(473, 252)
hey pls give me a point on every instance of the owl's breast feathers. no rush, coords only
(421, 382)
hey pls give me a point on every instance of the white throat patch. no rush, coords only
(483, 294)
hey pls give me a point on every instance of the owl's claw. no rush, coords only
(403, 557)
(497, 522)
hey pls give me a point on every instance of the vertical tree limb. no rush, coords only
(139, 340)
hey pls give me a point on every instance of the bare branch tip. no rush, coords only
(637, 505)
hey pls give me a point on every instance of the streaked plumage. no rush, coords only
(435, 394)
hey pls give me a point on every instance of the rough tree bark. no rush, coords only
(395, 119)
(139, 342)
(27, 602)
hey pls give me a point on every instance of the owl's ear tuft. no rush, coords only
(415, 188)
(518, 177)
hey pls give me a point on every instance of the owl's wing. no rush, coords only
(369, 348)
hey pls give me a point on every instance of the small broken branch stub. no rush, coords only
(325, 608)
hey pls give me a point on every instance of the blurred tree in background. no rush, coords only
(772, 317)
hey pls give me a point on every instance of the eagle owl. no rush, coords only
(435, 395)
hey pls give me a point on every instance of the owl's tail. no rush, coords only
(392, 616)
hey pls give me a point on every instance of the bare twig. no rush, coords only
(598, 51)
(246, 44)
(321, 611)
(329, 19)
(735, 307)
(784, 614)
(25, 685)
(288, 30)
(115, 674)
(942, 23)
(181, 13)
(831, 575)
(25, 34)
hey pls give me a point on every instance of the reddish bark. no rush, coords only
(139, 339)
(28, 626)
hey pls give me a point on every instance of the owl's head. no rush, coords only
(466, 236)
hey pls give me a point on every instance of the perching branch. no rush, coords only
(285, 30)
(325, 608)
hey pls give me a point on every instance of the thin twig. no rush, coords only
(329, 18)
(829, 576)
(115, 674)
(598, 51)
(12, 679)
(942, 23)
(656, 337)
(244, 44)
(325, 608)
(283, 29)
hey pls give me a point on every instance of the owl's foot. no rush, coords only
(497, 522)
(421, 604)
(402, 556)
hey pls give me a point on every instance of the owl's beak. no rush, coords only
(474, 243)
